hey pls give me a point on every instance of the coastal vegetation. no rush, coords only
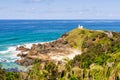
(100, 58)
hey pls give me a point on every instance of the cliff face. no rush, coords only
(70, 44)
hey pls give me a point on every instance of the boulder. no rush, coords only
(22, 49)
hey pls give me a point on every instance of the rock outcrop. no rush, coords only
(56, 51)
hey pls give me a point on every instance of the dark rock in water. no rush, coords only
(4, 60)
(22, 49)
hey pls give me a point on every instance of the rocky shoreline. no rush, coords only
(55, 51)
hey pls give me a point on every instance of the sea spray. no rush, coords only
(9, 56)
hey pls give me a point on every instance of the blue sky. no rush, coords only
(59, 9)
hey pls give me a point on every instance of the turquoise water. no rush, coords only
(25, 32)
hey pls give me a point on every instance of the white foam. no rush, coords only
(6, 60)
(9, 55)
(11, 52)
(12, 49)
(29, 45)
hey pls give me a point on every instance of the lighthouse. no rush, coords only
(80, 27)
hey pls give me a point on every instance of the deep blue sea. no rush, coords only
(26, 32)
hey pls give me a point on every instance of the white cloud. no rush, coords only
(37, 0)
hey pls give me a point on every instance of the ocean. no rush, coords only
(14, 33)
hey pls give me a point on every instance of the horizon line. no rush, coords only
(59, 19)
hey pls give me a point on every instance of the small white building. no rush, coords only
(80, 27)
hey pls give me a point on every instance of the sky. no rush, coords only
(59, 9)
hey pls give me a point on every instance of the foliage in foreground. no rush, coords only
(58, 72)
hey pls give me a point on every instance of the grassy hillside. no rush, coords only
(84, 39)
(98, 46)
(100, 59)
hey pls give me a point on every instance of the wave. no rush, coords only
(6, 60)
(10, 55)
(29, 45)
(10, 49)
